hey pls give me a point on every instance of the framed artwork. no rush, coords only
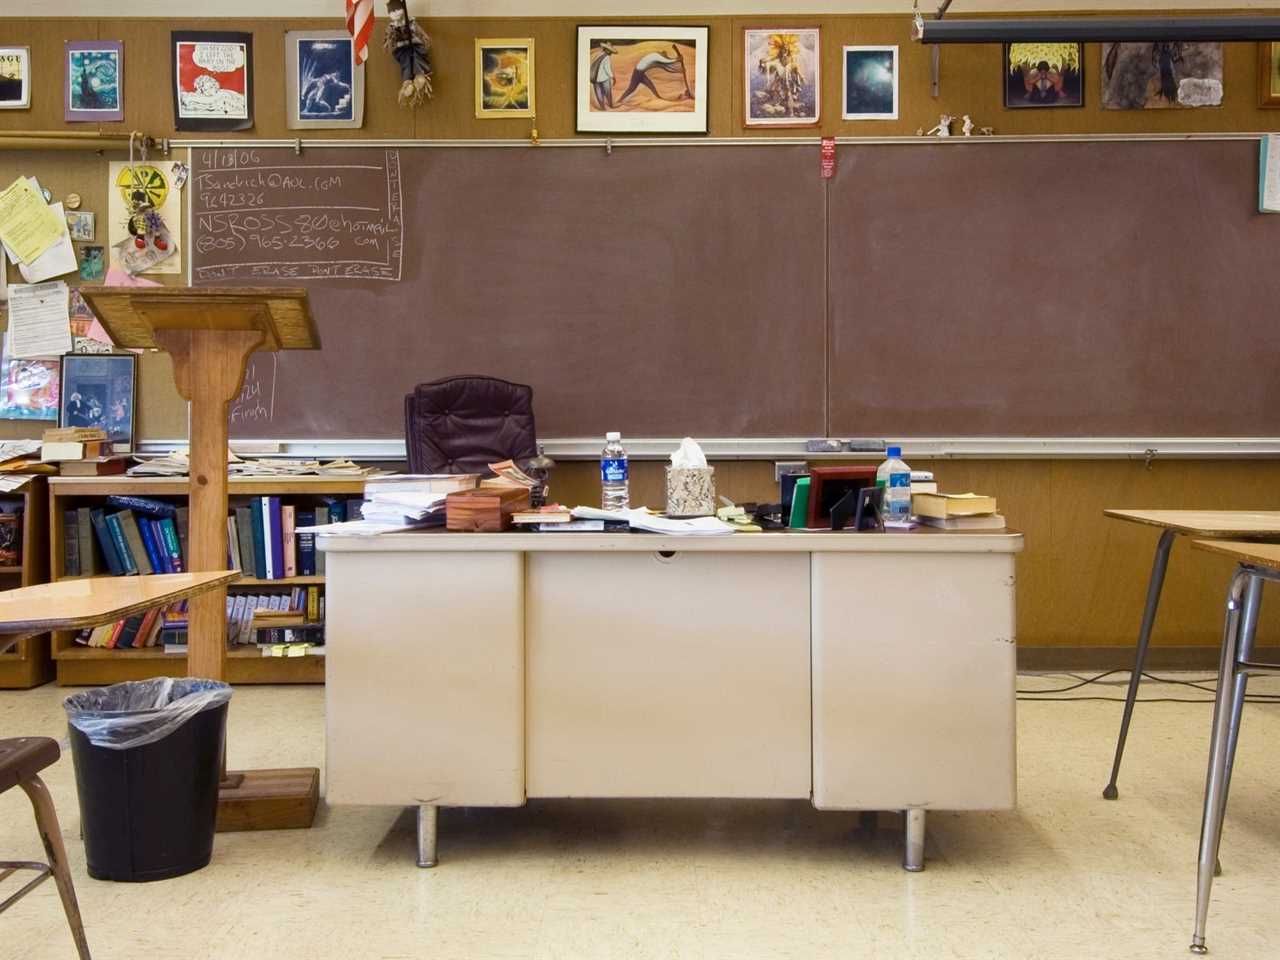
(1161, 75)
(323, 83)
(15, 78)
(98, 390)
(212, 80)
(781, 77)
(504, 79)
(28, 389)
(642, 79)
(1269, 74)
(93, 75)
(870, 83)
(1043, 75)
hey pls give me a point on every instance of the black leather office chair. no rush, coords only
(462, 424)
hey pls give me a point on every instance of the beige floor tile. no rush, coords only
(1065, 874)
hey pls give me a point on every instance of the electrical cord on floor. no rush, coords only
(1197, 684)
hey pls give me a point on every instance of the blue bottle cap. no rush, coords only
(895, 451)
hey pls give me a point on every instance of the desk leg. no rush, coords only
(1215, 782)
(1248, 628)
(1154, 586)
(427, 834)
(913, 860)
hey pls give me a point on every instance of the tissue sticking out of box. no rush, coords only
(691, 485)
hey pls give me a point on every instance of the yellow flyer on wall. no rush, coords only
(144, 185)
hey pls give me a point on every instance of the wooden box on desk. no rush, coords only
(484, 510)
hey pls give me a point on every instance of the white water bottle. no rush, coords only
(893, 478)
(615, 486)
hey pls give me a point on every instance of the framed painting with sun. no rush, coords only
(504, 79)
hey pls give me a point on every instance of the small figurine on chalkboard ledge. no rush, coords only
(410, 45)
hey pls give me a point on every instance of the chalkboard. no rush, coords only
(968, 289)
(655, 292)
(331, 214)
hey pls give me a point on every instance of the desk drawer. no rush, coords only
(681, 676)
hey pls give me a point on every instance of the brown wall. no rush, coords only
(971, 80)
(1082, 578)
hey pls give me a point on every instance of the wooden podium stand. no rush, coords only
(210, 332)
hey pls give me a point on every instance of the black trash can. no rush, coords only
(148, 758)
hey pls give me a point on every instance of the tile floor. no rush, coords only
(1065, 875)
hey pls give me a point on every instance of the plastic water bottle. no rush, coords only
(615, 486)
(893, 479)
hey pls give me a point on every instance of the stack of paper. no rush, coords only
(644, 520)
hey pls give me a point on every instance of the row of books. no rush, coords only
(142, 535)
(136, 632)
(299, 613)
(130, 536)
(261, 538)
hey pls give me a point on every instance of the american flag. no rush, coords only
(360, 26)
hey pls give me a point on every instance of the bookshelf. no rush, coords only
(27, 662)
(80, 665)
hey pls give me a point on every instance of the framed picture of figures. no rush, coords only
(1269, 74)
(324, 85)
(781, 77)
(504, 78)
(635, 79)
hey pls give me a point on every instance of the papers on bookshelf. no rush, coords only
(651, 523)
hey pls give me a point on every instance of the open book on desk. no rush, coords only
(643, 520)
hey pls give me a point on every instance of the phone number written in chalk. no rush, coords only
(300, 231)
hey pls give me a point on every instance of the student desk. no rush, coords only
(89, 601)
(1211, 524)
(1256, 564)
(861, 671)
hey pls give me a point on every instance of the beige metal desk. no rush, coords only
(1215, 524)
(860, 671)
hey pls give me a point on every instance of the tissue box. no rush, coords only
(691, 491)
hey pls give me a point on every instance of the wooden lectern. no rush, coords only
(210, 332)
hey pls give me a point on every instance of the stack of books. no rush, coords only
(551, 516)
(81, 452)
(957, 511)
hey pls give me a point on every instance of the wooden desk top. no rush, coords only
(77, 603)
(1207, 523)
(1258, 554)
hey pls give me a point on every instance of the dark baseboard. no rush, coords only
(1121, 658)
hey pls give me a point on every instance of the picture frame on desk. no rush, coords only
(100, 390)
(1269, 74)
(642, 79)
(829, 485)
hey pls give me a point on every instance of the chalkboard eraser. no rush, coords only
(823, 446)
(867, 446)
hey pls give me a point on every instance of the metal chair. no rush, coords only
(21, 760)
(1244, 598)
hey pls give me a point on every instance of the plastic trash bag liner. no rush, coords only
(132, 714)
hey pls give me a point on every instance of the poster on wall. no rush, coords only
(212, 80)
(155, 183)
(642, 79)
(15, 78)
(93, 71)
(781, 77)
(324, 85)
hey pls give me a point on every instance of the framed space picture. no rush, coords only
(781, 77)
(93, 75)
(870, 83)
(99, 390)
(1269, 74)
(212, 80)
(15, 78)
(504, 79)
(324, 84)
(1043, 75)
(642, 79)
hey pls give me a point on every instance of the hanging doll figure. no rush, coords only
(409, 44)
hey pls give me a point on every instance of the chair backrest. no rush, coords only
(462, 424)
